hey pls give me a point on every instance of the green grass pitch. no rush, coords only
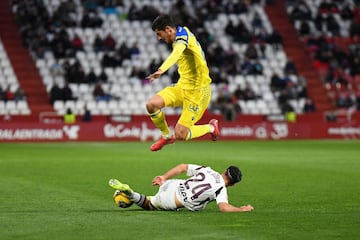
(300, 190)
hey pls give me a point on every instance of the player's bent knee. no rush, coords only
(181, 135)
(151, 107)
(155, 103)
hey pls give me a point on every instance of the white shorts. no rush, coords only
(165, 198)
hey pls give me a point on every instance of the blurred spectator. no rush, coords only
(336, 76)
(346, 13)
(55, 93)
(329, 6)
(9, 95)
(250, 67)
(216, 76)
(91, 20)
(98, 43)
(67, 93)
(75, 73)
(287, 107)
(91, 77)
(290, 114)
(154, 65)
(138, 74)
(134, 49)
(124, 51)
(19, 94)
(354, 29)
(263, 46)
(87, 117)
(251, 52)
(257, 68)
(2, 93)
(275, 39)
(256, 22)
(108, 61)
(290, 67)
(354, 65)
(277, 83)
(249, 94)
(99, 93)
(309, 105)
(357, 101)
(230, 28)
(239, 93)
(61, 44)
(109, 42)
(77, 43)
(304, 28)
(239, 32)
(57, 69)
(69, 117)
(283, 100)
(332, 25)
(226, 106)
(90, 5)
(344, 100)
(102, 76)
(300, 11)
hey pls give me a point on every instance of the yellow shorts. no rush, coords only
(194, 102)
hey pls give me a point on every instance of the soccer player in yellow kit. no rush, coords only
(192, 91)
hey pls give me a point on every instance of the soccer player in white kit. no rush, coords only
(203, 185)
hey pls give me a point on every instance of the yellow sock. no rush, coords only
(158, 118)
(198, 131)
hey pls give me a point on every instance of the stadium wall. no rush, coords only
(140, 128)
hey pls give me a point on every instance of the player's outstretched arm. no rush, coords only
(155, 75)
(226, 207)
(170, 60)
(159, 180)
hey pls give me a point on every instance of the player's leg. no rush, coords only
(154, 106)
(139, 199)
(198, 130)
(164, 199)
(194, 106)
(183, 132)
(167, 97)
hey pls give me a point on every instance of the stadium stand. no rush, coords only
(22, 64)
(256, 68)
(12, 98)
(330, 31)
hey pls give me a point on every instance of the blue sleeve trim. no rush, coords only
(182, 35)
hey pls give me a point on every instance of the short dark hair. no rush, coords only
(162, 21)
(234, 174)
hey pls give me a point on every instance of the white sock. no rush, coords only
(167, 136)
(212, 129)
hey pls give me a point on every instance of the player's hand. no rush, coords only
(155, 75)
(247, 208)
(158, 180)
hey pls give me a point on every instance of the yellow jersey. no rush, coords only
(188, 54)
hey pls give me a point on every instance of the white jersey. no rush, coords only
(203, 186)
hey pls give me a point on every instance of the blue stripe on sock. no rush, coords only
(190, 135)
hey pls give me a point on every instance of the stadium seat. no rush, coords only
(58, 105)
(102, 107)
(79, 107)
(11, 107)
